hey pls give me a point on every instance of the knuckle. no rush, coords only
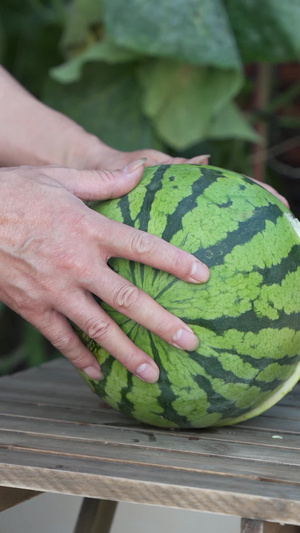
(126, 297)
(70, 260)
(98, 328)
(64, 341)
(78, 220)
(107, 178)
(79, 360)
(142, 243)
(80, 224)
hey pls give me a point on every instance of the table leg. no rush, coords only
(10, 496)
(95, 516)
(260, 526)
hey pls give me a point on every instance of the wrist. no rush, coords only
(35, 134)
(83, 150)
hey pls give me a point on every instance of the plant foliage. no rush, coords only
(158, 73)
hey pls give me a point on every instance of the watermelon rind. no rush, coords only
(280, 393)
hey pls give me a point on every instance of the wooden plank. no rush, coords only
(151, 440)
(220, 466)
(78, 399)
(9, 497)
(22, 387)
(282, 410)
(274, 425)
(77, 394)
(95, 516)
(111, 421)
(158, 486)
(104, 415)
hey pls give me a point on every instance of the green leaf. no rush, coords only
(189, 30)
(2, 42)
(31, 40)
(230, 123)
(82, 24)
(266, 31)
(100, 51)
(182, 99)
(106, 102)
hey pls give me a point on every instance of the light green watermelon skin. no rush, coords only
(246, 316)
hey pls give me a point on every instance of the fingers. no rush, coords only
(91, 185)
(56, 328)
(129, 300)
(103, 184)
(272, 190)
(197, 160)
(140, 246)
(98, 325)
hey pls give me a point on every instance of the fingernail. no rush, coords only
(93, 373)
(199, 272)
(203, 157)
(185, 339)
(147, 372)
(134, 165)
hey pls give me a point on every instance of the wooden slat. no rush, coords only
(110, 420)
(135, 456)
(158, 486)
(138, 440)
(57, 436)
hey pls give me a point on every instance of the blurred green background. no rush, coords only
(219, 77)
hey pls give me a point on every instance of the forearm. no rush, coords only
(32, 133)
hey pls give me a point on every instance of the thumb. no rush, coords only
(89, 185)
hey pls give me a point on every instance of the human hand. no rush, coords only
(99, 155)
(53, 255)
(103, 156)
(271, 190)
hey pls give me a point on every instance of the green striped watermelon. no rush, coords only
(246, 316)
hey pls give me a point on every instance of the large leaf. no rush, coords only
(268, 30)
(100, 51)
(82, 25)
(106, 102)
(182, 99)
(197, 32)
(230, 123)
(31, 42)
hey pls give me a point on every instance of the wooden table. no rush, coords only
(57, 436)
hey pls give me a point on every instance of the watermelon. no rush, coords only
(246, 316)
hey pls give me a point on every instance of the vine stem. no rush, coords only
(261, 101)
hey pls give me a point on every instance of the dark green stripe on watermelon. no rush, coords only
(246, 317)
(248, 321)
(174, 220)
(214, 255)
